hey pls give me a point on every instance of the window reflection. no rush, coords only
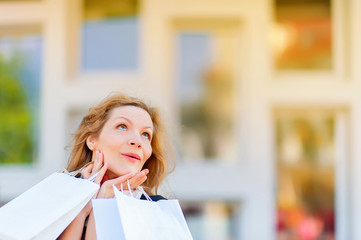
(306, 175)
(20, 69)
(205, 93)
(212, 220)
(110, 35)
(302, 34)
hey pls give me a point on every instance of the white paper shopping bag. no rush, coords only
(162, 220)
(108, 225)
(46, 209)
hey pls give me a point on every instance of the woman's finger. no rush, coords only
(121, 180)
(138, 179)
(106, 190)
(139, 182)
(86, 172)
(89, 169)
(98, 163)
(101, 174)
(146, 171)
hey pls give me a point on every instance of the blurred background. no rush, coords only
(262, 99)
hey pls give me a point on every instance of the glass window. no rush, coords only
(302, 34)
(110, 35)
(205, 89)
(212, 220)
(306, 175)
(20, 81)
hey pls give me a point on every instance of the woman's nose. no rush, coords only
(135, 141)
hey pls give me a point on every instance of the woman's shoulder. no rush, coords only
(155, 198)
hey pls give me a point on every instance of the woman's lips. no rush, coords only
(131, 157)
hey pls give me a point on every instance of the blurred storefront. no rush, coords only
(262, 100)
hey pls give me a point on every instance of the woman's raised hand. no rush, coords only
(95, 167)
(106, 189)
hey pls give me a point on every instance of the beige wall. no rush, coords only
(260, 90)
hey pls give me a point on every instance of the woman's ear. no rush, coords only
(91, 143)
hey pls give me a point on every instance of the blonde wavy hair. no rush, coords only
(92, 125)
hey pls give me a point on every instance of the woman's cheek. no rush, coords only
(149, 154)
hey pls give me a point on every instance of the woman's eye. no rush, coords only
(146, 135)
(122, 127)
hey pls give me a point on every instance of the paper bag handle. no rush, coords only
(76, 172)
(130, 190)
(139, 188)
(144, 193)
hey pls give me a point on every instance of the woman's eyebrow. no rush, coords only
(128, 120)
(115, 119)
(149, 128)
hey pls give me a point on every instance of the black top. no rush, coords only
(155, 198)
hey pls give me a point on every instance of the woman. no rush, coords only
(124, 140)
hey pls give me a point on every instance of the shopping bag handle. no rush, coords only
(77, 172)
(130, 190)
(144, 193)
(81, 169)
(92, 178)
(139, 188)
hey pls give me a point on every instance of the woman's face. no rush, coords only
(125, 140)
